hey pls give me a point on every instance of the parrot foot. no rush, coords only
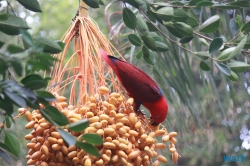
(140, 112)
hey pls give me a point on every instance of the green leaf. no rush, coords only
(13, 49)
(154, 36)
(138, 55)
(134, 39)
(184, 29)
(161, 47)
(88, 148)
(30, 78)
(27, 39)
(238, 48)
(9, 121)
(210, 25)
(165, 13)
(204, 3)
(193, 2)
(186, 39)
(180, 15)
(55, 115)
(150, 27)
(5, 146)
(145, 52)
(240, 3)
(150, 58)
(15, 98)
(35, 85)
(132, 2)
(225, 53)
(225, 6)
(170, 27)
(233, 76)
(202, 55)
(12, 24)
(79, 125)
(93, 138)
(7, 105)
(46, 95)
(92, 3)
(203, 42)
(238, 66)
(215, 44)
(204, 66)
(141, 25)
(233, 27)
(143, 5)
(13, 143)
(246, 27)
(192, 22)
(18, 68)
(1, 44)
(50, 46)
(149, 42)
(239, 22)
(223, 68)
(101, 2)
(129, 18)
(32, 5)
(247, 44)
(67, 137)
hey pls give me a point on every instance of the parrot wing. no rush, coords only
(137, 83)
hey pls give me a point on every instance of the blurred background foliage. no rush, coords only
(209, 112)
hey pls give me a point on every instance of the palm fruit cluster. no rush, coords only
(128, 139)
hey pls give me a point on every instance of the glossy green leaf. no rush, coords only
(240, 3)
(238, 48)
(30, 78)
(50, 46)
(247, 44)
(53, 115)
(180, 15)
(161, 47)
(149, 42)
(150, 58)
(165, 13)
(15, 98)
(194, 2)
(67, 137)
(143, 5)
(145, 52)
(224, 55)
(1, 44)
(233, 76)
(154, 36)
(204, 42)
(138, 55)
(186, 39)
(204, 66)
(135, 40)
(225, 6)
(223, 68)
(129, 18)
(204, 3)
(132, 2)
(202, 55)
(6, 105)
(238, 66)
(170, 27)
(9, 121)
(17, 66)
(79, 125)
(239, 22)
(92, 3)
(12, 142)
(5, 146)
(101, 2)
(246, 27)
(27, 39)
(215, 44)
(32, 5)
(150, 27)
(88, 148)
(13, 49)
(12, 24)
(210, 25)
(93, 138)
(184, 29)
(233, 27)
(46, 95)
(141, 25)
(192, 22)
(35, 84)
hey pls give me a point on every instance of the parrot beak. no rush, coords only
(154, 124)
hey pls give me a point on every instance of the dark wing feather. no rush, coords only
(137, 83)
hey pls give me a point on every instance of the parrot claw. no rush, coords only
(140, 112)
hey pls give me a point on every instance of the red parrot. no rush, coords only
(139, 86)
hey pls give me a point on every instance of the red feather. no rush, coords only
(139, 86)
